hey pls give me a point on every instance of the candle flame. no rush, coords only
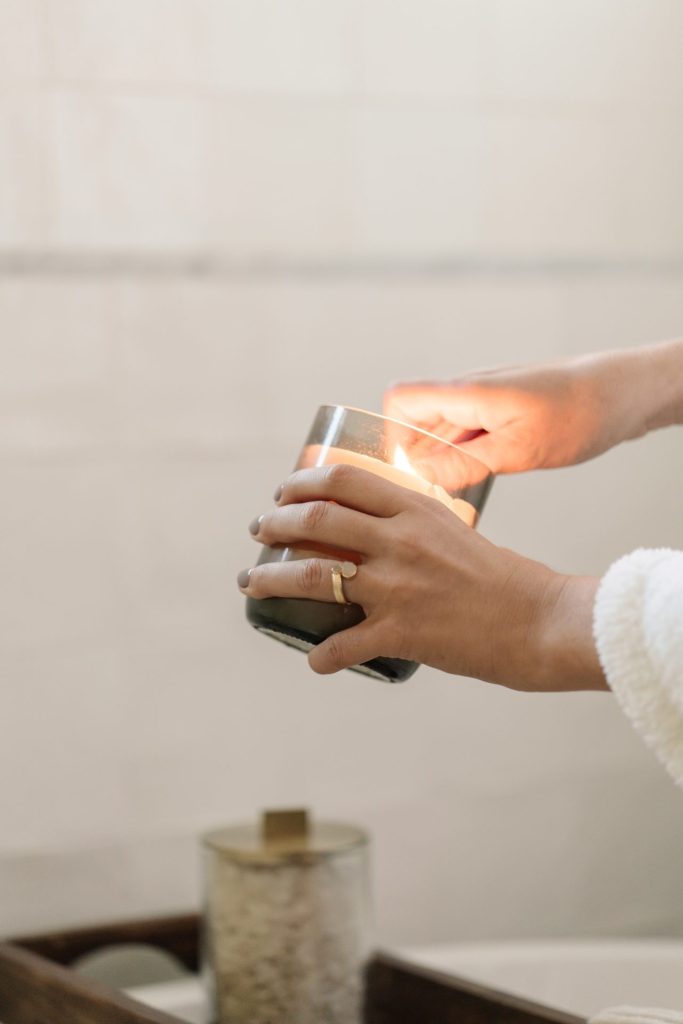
(402, 462)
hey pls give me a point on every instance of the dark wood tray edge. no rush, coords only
(37, 986)
(401, 992)
(34, 990)
(177, 935)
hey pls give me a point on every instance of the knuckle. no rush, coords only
(338, 474)
(309, 575)
(408, 543)
(312, 514)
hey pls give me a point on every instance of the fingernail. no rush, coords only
(278, 493)
(255, 524)
(243, 578)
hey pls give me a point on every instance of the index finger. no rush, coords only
(382, 495)
(433, 404)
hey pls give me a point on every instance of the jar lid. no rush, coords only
(284, 836)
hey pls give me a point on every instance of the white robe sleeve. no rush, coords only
(638, 629)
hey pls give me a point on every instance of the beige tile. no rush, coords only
(263, 46)
(67, 721)
(237, 720)
(21, 55)
(57, 555)
(138, 42)
(418, 181)
(327, 352)
(195, 364)
(129, 173)
(223, 45)
(607, 52)
(441, 184)
(574, 187)
(432, 49)
(548, 190)
(58, 386)
(184, 537)
(48, 888)
(281, 179)
(586, 52)
(646, 159)
(612, 311)
(568, 806)
(25, 183)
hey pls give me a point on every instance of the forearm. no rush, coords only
(663, 381)
(642, 388)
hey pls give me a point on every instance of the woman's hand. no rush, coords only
(520, 418)
(432, 589)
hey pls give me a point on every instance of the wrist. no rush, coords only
(543, 629)
(662, 382)
(621, 394)
(566, 655)
(642, 389)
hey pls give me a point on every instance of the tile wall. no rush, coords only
(215, 214)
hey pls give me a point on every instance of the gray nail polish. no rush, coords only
(278, 493)
(255, 524)
(243, 578)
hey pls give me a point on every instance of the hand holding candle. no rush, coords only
(374, 444)
(432, 589)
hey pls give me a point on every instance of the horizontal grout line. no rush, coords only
(353, 98)
(205, 264)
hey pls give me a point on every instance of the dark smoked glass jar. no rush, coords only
(395, 451)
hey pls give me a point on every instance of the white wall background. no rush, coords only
(214, 215)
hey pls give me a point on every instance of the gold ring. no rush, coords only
(345, 570)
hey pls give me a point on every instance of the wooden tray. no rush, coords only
(37, 985)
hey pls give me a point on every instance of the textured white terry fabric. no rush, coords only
(637, 1015)
(638, 629)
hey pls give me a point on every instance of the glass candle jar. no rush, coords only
(393, 450)
(286, 921)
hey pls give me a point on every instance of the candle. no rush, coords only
(352, 437)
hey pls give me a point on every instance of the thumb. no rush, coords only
(345, 649)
